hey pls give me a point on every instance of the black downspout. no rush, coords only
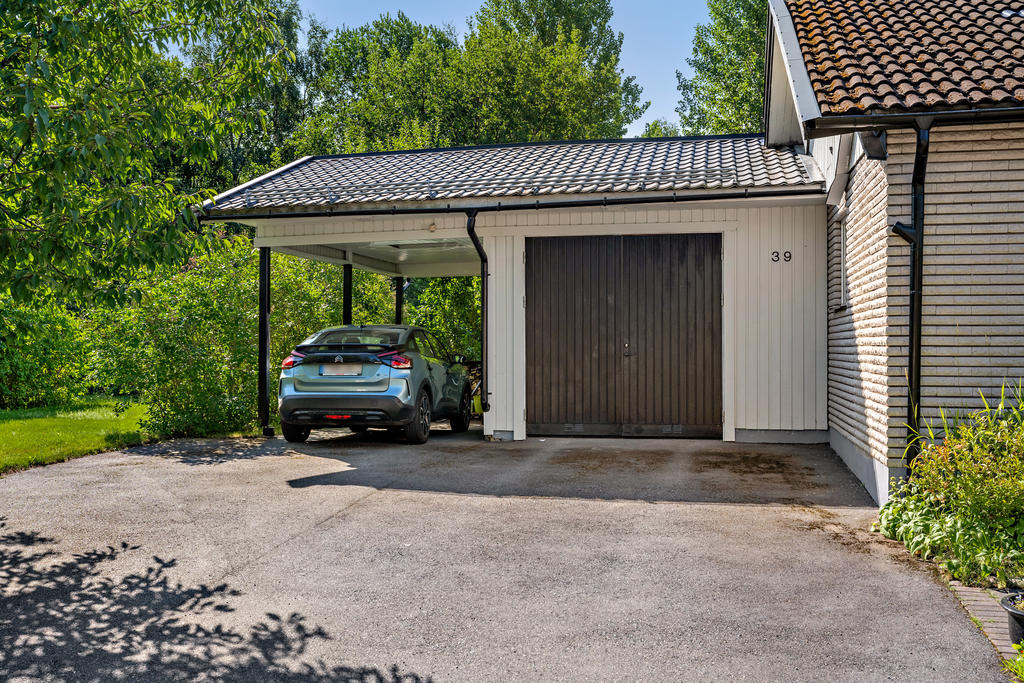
(485, 396)
(346, 295)
(263, 354)
(399, 298)
(914, 235)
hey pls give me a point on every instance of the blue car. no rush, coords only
(396, 377)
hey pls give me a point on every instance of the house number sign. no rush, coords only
(786, 256)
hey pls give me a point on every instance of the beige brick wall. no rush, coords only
(858, 333)
(973, 302)
(973, 296)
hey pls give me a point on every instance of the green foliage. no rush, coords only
(964, 503)
(726, 92)
(546, 19)
(188, 349)
(660, 128)
(1015, 667)
(91, 110)
(43, 355)
(40, 436)
(271, 112)
(516, 77)
(450, 307)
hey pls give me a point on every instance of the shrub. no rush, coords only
(43, 355)
(188, 350)
(450, 307)
(964, 502)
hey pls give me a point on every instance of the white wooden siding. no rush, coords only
(774, 314)
(779, 318)
(506, 329)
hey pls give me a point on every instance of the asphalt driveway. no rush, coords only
(351, 558)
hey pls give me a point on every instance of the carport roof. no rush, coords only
(732, 162)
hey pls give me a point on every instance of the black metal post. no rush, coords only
(399, 298)
(263, 355)
(346, 295)
(485, 396)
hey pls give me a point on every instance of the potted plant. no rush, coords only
(1014, 606)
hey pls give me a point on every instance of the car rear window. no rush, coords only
(381, 338)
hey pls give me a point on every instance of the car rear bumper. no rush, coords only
(343, 411)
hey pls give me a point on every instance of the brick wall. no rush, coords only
(858, 375)
(973, 300)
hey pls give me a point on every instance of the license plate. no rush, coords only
(341, 369)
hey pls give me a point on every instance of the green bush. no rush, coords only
(43, 355)
(963, 504)
(449, 307)
(188, 350)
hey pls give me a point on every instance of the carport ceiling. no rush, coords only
(412, 258)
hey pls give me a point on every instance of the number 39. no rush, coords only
(786, 256)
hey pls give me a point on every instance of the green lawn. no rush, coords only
(39, 436)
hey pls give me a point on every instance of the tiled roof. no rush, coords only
(897, 56)
(525, 171)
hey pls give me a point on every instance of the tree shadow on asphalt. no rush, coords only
(201, 452)
(64, 618)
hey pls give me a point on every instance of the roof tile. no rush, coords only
(523, 171)
(942, 54)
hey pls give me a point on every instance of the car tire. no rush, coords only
(358, 429)
(294, 433)
(418, 429)
(460, 422)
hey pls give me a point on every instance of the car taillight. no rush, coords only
(396, 361)
(292, 360)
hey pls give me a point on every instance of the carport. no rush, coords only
(649, 287)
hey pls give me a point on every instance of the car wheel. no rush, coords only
(418, 428)
(460, 422)
(294, 433)
(358, 429)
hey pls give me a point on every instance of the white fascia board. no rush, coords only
(803, 95)
(212, 202)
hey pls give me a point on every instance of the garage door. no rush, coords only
(623, 335)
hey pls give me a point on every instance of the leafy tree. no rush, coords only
(450, 307)
(272, 112)
(515, 88)
(660, 128)
(547, 19)
(188, 349)
(43, 355)
(398, 84)
(90, 103)
(726, 92)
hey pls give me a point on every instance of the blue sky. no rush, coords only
(657, 36)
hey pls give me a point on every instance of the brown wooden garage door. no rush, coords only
(623, 335)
